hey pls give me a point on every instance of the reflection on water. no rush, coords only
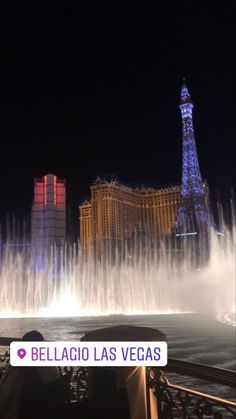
(194, 338)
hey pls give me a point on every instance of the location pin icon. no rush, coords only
(21, 353)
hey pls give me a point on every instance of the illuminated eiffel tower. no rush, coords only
(193, 214)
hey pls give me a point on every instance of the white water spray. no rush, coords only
(66, 285)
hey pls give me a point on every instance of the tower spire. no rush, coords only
(185, 97)
(193, 212)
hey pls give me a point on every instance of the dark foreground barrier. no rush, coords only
(171, 392)
(182, 401)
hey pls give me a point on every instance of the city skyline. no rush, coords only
(135, 185)
(94, 104)
(116, 214)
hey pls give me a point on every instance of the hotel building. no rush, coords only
(48, 212)
(116, 212)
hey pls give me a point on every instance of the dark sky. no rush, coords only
(94, 88)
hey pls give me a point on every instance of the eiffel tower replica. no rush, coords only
(193, 220)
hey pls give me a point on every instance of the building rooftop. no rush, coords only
(110, 178)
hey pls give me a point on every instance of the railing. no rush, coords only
(173, 401)
(78, 384)
(177, 401)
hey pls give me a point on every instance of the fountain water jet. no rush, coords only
(151, 283)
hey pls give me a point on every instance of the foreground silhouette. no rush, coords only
(41, 393)
(26, 392)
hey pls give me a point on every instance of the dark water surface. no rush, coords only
(191, 337)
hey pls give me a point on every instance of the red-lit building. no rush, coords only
(48, 226)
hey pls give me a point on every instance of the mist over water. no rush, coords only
(153, 281)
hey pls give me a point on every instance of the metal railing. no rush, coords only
(173, 401)
(176, 401)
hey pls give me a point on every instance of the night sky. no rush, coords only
(94, 88)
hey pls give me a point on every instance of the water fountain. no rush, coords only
(151, 283)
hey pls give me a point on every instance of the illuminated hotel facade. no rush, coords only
(116, 212)
(48, 219)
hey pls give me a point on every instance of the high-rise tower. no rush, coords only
(193, 215)
(48, 213)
